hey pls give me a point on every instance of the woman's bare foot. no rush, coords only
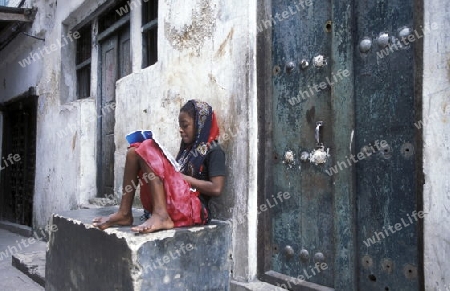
(114, 219)
(154, 223)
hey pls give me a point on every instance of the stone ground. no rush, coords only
(11, 279)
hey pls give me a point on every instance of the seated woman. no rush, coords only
(174, 198)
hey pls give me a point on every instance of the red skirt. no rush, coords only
(183, 205)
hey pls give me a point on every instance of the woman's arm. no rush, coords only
(211, 188)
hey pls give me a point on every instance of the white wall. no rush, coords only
(66, 175)
(436, 135)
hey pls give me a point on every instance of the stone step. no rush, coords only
(28, 251)
(22, 230)
(81, 257)
(254, 286)
(31, 264)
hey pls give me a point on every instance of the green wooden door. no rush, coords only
(339, 160)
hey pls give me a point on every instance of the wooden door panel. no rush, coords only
(108, 159)
(385, 181)
(110, 54)
(125, 53)
(116, 63)
(109, 69)
(302, 227)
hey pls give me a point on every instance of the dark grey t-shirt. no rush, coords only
(213, 165)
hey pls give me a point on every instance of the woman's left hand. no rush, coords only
(213, 187)
(187, 178)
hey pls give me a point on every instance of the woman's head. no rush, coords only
(198, 128)
(186, 121)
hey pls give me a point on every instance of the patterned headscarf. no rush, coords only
(191, 158)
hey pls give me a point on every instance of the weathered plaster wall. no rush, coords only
(436, 134)
(62, 128)
(206, 51)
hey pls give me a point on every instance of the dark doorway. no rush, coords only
(18, 163)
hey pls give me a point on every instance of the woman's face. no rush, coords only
(187, 128)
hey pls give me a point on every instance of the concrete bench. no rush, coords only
(81, 257)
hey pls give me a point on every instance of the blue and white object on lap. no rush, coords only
(138, 136)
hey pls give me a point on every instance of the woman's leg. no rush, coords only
(130, 178)
(160, 218)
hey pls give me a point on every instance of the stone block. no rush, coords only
(81, 257)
